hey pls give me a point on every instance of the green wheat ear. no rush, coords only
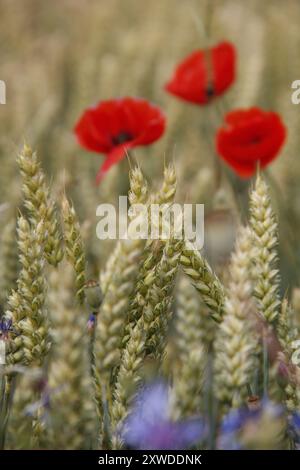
(74, 247)
(152, 252)
(235, 346)
(287, 335)
(73, 412)
(26, 304)
(167, 191)
(138, 194)
(24, 430)
(148, 335)
(204, 280)
(40, 206)
(188, 371)
(265, 239)
(118, 281)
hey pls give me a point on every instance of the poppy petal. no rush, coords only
(223, 64)
(116, 155)
(86, 137)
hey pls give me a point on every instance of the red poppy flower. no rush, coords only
(248, 137)
(112, 127)
(204, 74)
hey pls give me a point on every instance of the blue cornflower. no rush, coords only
(294, 426)
(5, 328)
(91, 322)
(230, 426)
(237, 420)
(148, 426)
(296, 421)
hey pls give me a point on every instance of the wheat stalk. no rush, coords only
(74, 247)
(39, 204)
(26, 305)
(235, 346)
(71, 392)
(265, 239)
(149, 333)
(203, 279)
(188, 375)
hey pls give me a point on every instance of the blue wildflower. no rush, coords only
(230, 427)
(91, 322)
(237, 420)
(148, 427)
(296, 421)
(43, 404)
(5, 328)
(233, 421)
(294, 427)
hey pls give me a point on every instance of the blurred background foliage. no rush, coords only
(59, 57)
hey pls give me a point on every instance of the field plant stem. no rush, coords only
(105, 442)
(240, 189)
(208, 132)
(210, 401)
(2, 403)
(209, 7)
(265, 365)
(91, 347)
(249, 390)
(7, 386)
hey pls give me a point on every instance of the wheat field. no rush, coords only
(142, 344)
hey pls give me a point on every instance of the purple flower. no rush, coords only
(43, 404)
(237, 419)
(233, 421)
(5, 328)
(148, 427)
(294, 428)
(91, 322)
(296, 421)
(230, 426)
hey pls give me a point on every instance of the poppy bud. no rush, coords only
(93, 294)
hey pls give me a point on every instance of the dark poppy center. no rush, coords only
(210, 90)
(121, 138)
(255, 140)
